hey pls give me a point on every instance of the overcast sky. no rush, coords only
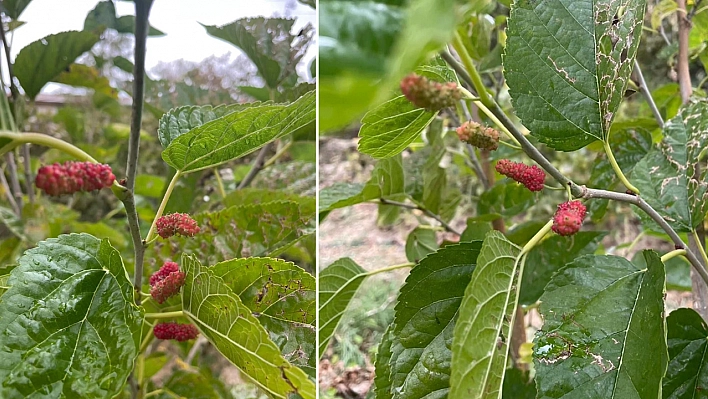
(179, 19)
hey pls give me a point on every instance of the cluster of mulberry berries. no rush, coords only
(569, 218)
(433, 96)
(530, 176)
(72, 177)
(176, 331)
(176, 223)
(479, 136)
(166, 282)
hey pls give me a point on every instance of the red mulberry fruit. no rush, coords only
(530, 176)
(569, 218)
(176, 331)
(166, 282)
(72, 177)
(479, 136)
(176, 223)
(430, 95)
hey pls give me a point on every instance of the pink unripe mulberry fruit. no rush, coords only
(176, 331)
(428, 94)
(176, 223)
(71, 177)
(569, 218)
(166, 282)
(479, 136)
(530, 176)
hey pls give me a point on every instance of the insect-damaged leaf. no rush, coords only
(230, 326)
(604, 333)
(567, 63)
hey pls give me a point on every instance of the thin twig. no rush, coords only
(684, 75)
(426, 211)
(478, 167)
(8, 192)
(647, 94)
(14, 181)
(694, 9)
(16, 97)
(195, 349)
(142, 10)
(257, 166)
(643, 205)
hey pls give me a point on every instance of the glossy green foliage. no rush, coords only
(667, 177)
(41, 61)
(426, 313)
(567, 64)
(604, 332)
(230, 326)
(69, 327)
(338, 283)
(687, 337)
(281, 296)
(238, 133)
(480, 344)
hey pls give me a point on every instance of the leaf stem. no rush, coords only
(151, 235)
(219, 183)
(164, 315)
(278, 154)
(389, 268)
(672, 254)
(647, 94)
(700, 246)
(536, 238)
(258, 165)
(615, 166)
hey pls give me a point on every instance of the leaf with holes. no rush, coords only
(480, 343)
(282, 297)
(265, 229)
(687, 336)
(568, 62)
(269, 44)
(41, 61)
(426, 313)
(601, 314)
(665, 177)
(228, 324)
(69, 327)
(338, 283)
(181, 120)
(238, 133)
